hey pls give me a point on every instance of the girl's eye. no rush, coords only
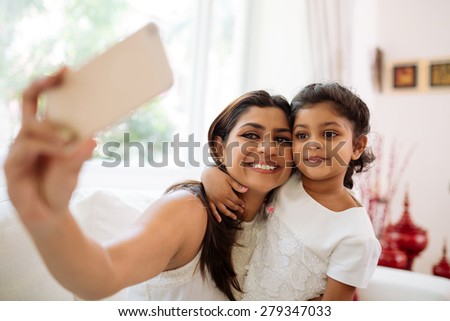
(302, 135)
(329, 134)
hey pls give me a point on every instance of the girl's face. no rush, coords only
(258, 152)
(323, 142)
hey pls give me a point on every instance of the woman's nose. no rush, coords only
(267, 145)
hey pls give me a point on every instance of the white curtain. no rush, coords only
(329, 25)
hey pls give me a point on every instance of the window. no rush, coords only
(203, 40)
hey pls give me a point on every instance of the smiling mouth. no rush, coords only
(263, 166)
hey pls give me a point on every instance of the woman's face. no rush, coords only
(258, 151)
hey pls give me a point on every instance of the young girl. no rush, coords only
(176, 248)
(319, 241)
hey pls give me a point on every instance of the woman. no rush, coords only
(249, 140)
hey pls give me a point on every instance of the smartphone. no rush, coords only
(112, 85)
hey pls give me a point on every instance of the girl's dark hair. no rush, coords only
(221, 237)
(346, 104)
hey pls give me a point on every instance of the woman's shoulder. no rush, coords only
(179, 205)
(180, 201)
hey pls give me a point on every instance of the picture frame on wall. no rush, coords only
(439, 74)
(405, 76)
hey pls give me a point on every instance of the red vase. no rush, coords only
(409, 238)
(443, 267)
(391, 255)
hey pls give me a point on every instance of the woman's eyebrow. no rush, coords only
(259, 126)
(254, 125)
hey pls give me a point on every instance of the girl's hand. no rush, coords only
(220, 187)
(43, 163)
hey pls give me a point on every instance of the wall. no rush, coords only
(408, 30)
(277, 48)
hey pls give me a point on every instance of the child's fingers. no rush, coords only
(236, 186)
(232, 196)
(232, 200)
(216, 214)
(225, 211)
(233, 206)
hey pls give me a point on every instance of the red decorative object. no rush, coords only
(391, 256)
(443, 267)
(409, 238)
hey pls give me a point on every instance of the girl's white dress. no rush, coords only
(187, 283)
(304, 242)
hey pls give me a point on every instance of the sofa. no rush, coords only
(103, 214)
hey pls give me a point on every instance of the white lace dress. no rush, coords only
(187, 283)
(242, 254)
(304, 242)
(183, 284)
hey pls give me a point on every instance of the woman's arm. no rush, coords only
(42, 170)
(167, 236)
(220, 189)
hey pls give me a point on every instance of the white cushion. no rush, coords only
(390, 284)
(23, 275)
(101, 214)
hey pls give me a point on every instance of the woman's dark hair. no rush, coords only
(346, 104)
(220, 238)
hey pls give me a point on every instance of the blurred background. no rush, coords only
(219, 49)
